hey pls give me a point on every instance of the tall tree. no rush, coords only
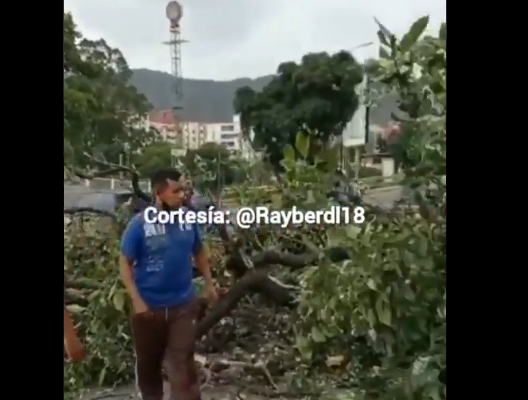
(153, 157)
(316, 96)
(103, 113)
(210, 165)
(79, 98)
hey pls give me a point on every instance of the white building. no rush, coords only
(224, 133)
(230, 135)
(194, 135)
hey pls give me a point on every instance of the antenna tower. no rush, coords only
(174, 13)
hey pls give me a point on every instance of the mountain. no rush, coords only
(212, 101)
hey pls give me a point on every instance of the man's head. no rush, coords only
(168, 187)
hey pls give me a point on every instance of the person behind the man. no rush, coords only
(189, 195)
(157, 271)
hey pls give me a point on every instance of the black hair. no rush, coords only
(161, 176)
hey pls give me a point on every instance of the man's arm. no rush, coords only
(201, 256)
(130, 247)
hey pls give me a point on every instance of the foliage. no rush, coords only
(374, 324)
(208, 151)
(92, 279)
(153, 157)
(393, 72)
(259, 173)
(211, 166)
(102, 111)
(380, 318)
(316, 96)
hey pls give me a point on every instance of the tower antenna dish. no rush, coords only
(174, 12)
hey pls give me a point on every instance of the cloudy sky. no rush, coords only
(244, 38)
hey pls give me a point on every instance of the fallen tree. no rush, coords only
(358, 307)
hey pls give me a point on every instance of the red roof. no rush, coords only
(165, 117)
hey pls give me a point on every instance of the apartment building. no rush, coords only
(165, 123)
(229, 134)
(194, 134)
(225, 134)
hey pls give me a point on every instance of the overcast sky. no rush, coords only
(244, 38)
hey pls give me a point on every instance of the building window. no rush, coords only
(228, 136)
(227, 128)
(229, 144)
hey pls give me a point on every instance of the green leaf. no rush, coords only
(317, 335)
(352, 231)
(310, 198)
(334, 237)
(303, 347)
(372, 285)
(383, 34)
(442, 34)
(411, 37)
(102, 375)
(119, 300)
(371, 318)
(382, 38)
(276, 200)
(302, 143)
(383, 311)
(383, 53)
(289, 153)
(385, 64)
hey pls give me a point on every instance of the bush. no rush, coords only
(378, 321)
(97, 303)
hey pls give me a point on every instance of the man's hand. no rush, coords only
(210, 292)
(140, 307)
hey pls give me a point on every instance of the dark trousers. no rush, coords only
(167, 333)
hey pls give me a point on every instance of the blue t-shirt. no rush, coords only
(162, 260)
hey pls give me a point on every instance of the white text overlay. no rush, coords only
(246, 217)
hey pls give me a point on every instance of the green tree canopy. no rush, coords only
(316, 96)
(210, 165)
(209, 151)
(102, 111)
(153, 157)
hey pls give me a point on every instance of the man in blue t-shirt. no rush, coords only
(156, 265)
